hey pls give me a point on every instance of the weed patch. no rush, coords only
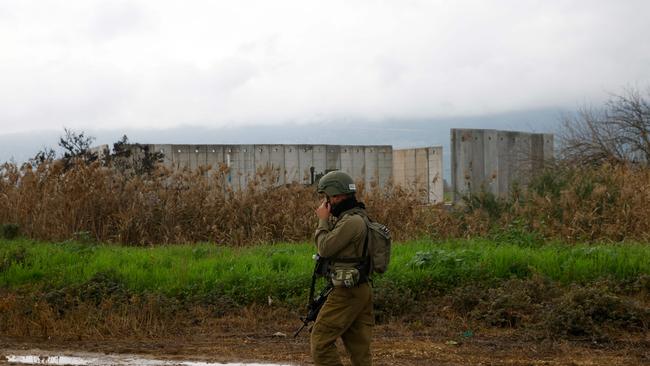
(103, 285)
(391, 300)
(590, 312)
(9, 231)
(513, 303)
(593, 312)
(12, 257)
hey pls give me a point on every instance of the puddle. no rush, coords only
(105, 360)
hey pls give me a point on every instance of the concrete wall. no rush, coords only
(494, 161)
(421, 169)
(101, 151)
(291, 163)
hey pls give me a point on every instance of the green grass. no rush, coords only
(283, 271)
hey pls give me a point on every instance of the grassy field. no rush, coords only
(252, 274)
(73, 289)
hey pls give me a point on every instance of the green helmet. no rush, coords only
(336, 182)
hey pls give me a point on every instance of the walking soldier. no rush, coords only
(347, 312)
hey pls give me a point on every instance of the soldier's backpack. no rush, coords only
(377, 245)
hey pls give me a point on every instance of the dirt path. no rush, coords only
(259, 335)
(389, 348)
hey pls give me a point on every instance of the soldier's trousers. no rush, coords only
(347, 313)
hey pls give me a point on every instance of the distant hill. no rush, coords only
(399, 133)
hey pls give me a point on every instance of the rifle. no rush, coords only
(315, 304)
(314, 308)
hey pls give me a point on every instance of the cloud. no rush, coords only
(160, 64)
(111, 19)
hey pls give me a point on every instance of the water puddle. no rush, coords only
(105, 360)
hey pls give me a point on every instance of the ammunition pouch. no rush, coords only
(345, 277)
(351, 275)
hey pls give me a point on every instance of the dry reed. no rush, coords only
(49, 202)
(609, 202)
(105, 204)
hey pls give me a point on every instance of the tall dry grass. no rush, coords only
(52, 202)
(572, 204)
(608, 202)
(92, 201)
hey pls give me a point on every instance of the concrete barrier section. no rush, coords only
(304, 164)
(420, 169)
(496, 161)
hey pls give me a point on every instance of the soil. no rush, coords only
(397, 343)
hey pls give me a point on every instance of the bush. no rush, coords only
(589, 312)
(9, 231)
(517, 233)
(593, 312)
(11, 257)
(514, 303)
(391, 300)
(464, 299)
(101, 286)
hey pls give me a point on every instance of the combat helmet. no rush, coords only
(336, 182)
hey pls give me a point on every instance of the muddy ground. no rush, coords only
(397, 343)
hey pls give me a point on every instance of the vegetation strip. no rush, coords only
(281, 271)
(553, 290)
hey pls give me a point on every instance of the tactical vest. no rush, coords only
(374, 258)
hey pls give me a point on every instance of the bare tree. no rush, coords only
(77, 146)
(134, 157)
(45, 155)
(618, 132)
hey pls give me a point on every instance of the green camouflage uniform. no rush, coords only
(347, 313)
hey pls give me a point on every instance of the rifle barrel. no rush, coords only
(299, 330)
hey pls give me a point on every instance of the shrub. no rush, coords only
(513, 303)
(15, 256)
(464, 299)
(9, 231)
(588, 312)
(391, 300)
(101, 286)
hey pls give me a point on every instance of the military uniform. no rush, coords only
(347, 313)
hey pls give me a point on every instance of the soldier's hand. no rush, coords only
(323, 211)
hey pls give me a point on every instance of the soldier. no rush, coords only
(347, 313)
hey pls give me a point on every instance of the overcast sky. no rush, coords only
(113, 64)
